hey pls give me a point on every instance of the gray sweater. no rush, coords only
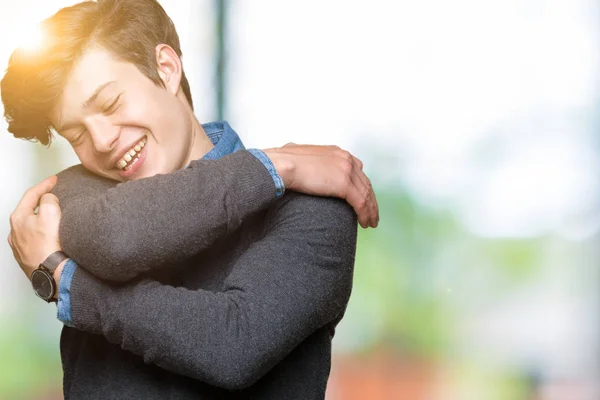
(201, 285)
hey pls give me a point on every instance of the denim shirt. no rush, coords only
(225, 141)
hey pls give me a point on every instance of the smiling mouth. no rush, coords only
(132, 156)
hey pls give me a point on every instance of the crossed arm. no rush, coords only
(118, 232)
(274, 315)
(316, 170)
(278, 294)
(293, 281)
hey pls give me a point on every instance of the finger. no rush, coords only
(373, 206)
(357, 200)
(48, 199)
(367, 192)
(354, 186)
(371, 198)
(10, 240)
(358, 162)
(49, 204)
(31, 198)
(376, 205)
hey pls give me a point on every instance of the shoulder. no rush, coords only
(305, 203)
(77, 181)
(327, 214)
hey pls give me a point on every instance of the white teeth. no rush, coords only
(131, 155)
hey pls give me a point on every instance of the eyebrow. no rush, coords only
(94, 96)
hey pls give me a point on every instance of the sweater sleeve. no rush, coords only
(119, 231)
(294, 280)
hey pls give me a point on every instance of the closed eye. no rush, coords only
(77, 139)
(112, 107)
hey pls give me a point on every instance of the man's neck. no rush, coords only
(201, 143)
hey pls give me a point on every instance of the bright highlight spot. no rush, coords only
(32, 40)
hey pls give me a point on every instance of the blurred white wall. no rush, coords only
(486, 103)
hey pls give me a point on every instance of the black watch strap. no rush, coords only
(54, 260)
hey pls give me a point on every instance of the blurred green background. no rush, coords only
(477, 122)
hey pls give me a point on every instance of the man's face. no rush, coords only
(121, 124)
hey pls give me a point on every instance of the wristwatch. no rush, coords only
(42, 279)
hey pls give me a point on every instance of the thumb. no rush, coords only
(49, 203)
(49, 198)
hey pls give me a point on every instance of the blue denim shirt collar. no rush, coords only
(224, 139)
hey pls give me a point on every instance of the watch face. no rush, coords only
(43, 284)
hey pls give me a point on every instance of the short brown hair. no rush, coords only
(129, 29)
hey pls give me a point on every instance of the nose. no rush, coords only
(104, 134)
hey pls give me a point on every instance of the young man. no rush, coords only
(196, 277)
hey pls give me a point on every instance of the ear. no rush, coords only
(169, 67)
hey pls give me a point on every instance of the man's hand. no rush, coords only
(33, 237)
(327, 171)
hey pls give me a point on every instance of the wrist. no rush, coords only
(284, 165)
(57, 273)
